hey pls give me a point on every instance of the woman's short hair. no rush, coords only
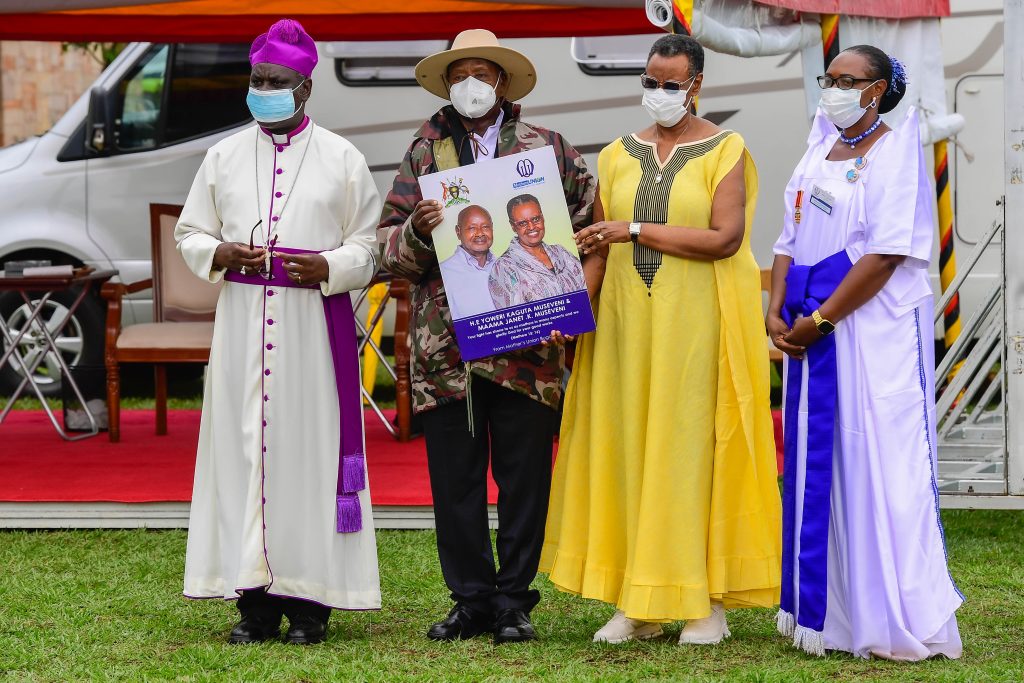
(883, 67)
(675, 44)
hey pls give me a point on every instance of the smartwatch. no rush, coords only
(826, 327)
(634, 231)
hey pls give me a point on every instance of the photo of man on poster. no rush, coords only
(471, 263)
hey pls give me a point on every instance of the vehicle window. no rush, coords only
(369, 63)
(356, 71)
(612, 55)
(209, 82)
(141, 97)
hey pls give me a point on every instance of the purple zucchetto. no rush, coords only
(285, 44)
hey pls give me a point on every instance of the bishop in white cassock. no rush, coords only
(281, 514)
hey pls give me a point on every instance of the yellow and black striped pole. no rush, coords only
(682, 17)
(682, 23)
(947, 255)
(829, 37)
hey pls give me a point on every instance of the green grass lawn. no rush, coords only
(106, 605)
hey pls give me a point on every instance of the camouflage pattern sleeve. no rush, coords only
(403, 253)
(577, 181)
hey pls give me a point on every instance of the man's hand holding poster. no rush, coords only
(511, 270)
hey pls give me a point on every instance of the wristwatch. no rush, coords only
(824, 326)
(634, 231)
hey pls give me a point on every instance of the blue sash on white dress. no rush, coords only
(807, 287)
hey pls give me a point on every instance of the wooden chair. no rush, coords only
(774, 355)
(182, 327)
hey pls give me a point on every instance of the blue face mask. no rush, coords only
(272, 106)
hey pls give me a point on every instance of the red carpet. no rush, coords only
(37, 465)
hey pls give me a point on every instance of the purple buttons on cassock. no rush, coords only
(267, 371)
(270, 321)
(279, 171)
(269, 347)
(280, 148)
(279, 194)
(276, 218)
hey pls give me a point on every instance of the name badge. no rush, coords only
(822, 199)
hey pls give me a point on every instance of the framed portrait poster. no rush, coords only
(511, 269)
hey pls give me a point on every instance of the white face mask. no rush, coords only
(667, 108)
(473, 98)
(842, 107)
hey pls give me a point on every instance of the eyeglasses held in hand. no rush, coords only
(843, 82)
(265, 269)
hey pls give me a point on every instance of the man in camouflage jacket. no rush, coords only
(509, 417)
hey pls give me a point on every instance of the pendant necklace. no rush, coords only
(657, 178)
(852, 142)
(270, 236)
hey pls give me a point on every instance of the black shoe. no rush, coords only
(513, 626)
(462, 623)
(252, 630)
(306, 631)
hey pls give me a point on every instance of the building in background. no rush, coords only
(38, 82)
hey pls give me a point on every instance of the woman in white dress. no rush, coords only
(864, 563)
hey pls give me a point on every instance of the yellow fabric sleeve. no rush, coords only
(744, 535)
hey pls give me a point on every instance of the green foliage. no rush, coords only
(103, 53)
(107, 605)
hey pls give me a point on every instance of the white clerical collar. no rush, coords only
(285, 139)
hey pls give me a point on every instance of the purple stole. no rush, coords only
(807, 287)
(341, 331)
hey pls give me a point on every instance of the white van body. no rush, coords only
(92, 208)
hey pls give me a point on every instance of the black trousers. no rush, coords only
(255, 603)
(515, 433)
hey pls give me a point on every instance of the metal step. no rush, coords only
(987, 487)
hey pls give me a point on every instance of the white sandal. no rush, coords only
(710, 630)
(621, 629)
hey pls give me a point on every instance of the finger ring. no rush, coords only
(242, 271)
(600, 236)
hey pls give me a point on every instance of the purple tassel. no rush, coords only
(353, 473)
(350, 516)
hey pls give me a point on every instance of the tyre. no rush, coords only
(80, 342)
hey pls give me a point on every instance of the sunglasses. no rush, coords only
(265, 270)
(652, 83)
(843, 82)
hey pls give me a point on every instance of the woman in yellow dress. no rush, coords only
(665, 500)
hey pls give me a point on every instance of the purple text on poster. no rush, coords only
(523, 325)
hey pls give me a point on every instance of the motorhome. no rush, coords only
(80, 192)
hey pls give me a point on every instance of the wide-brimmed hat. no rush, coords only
(482, 44)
